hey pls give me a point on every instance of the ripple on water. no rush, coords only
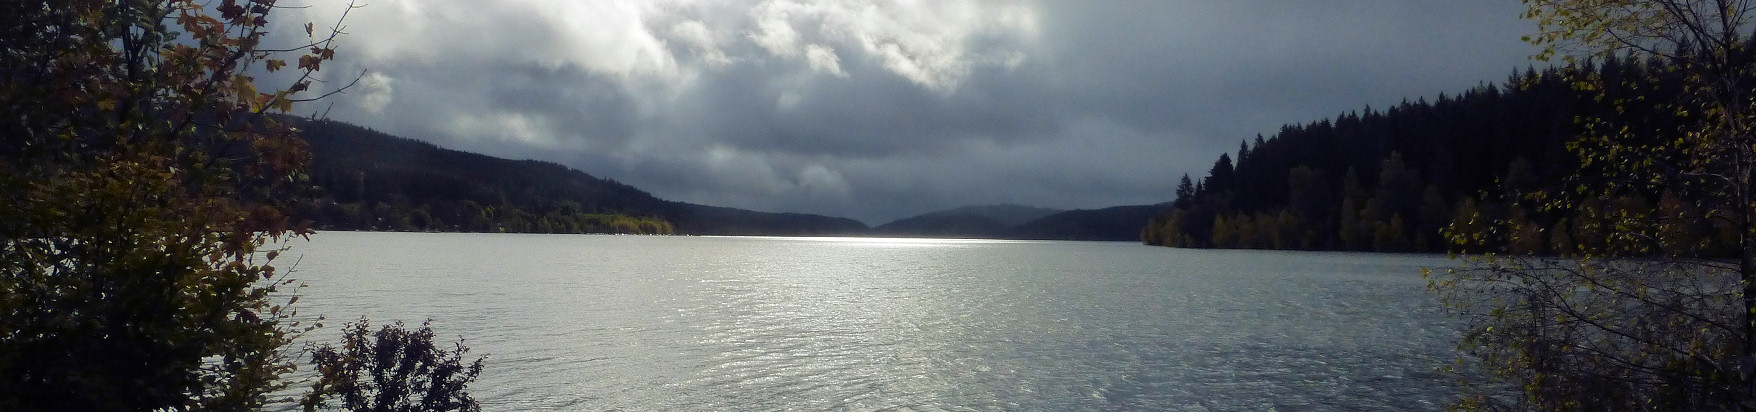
(679, 323)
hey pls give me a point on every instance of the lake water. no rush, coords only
(638, 323)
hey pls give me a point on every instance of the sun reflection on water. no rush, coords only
(886, 241)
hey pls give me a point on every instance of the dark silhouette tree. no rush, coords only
(393, 369)
(1220, 179)
(1185, 192)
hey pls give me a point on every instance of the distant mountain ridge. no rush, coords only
(369, 180)
(374, 181)
(981, 221)
(1117, 223)
(1120, 223)
(1008, 214)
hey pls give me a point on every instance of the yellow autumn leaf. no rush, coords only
(283, 104)
(242, 86)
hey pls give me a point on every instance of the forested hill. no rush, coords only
(1391, 180)
(984, 221)
(373, 181)
(1120, 223)
(1116, 223)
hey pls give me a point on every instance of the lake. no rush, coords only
(572, 322)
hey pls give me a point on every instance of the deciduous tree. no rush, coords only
(393, 369)
(142, 189)
(1624, 319)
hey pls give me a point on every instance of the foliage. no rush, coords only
(393, 369)
(1349, 181)
(1650, 301)
(141, 190)
(1374, 180)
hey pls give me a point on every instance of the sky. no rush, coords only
(879, 110)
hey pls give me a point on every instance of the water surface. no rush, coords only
(715, 323)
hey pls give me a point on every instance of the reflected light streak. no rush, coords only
(889, 241)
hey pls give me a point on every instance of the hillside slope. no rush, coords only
(374, 181)
(1118, 223)
(983, 221)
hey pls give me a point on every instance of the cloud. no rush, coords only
(823, 59)
(883, 109)
(376, 92)
(933, 44)
(702, 41)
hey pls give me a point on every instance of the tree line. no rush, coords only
(1394, 180)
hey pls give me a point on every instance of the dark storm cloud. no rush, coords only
(886, 116)
(1235, 67)
(883, 109)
